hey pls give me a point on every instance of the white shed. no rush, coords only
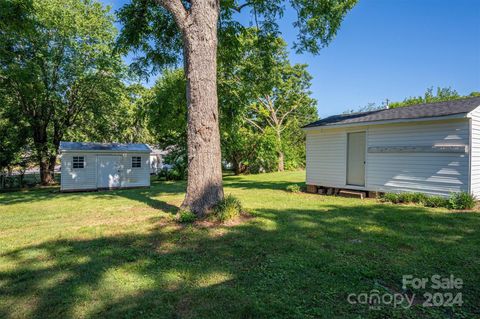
(430, 148)
(91, 166)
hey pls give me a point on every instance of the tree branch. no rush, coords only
(176, 8)
(254, 124)
(241, 6)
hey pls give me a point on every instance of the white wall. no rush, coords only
(135, 177)
(475, 157)
(86, 178)
(326, 152)
(433, 173)
(78, 178)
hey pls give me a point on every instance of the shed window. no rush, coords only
(136, 161)
(78, 162)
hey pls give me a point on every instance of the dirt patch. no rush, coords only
(206, 223)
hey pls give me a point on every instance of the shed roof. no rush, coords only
(110, 147)
(418, 111)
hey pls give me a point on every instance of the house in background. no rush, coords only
(430, 148)
(157, 160)
(92, 166)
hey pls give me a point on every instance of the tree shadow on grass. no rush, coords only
(245, 184)
(144, 195)
(283, 263)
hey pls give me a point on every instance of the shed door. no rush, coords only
(108, 171)
(356, 159)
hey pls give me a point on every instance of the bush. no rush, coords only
(229, 208)
(436, 201)
(390, 197)
(416, 198)
(294, 188)
(186, 217)
(462, 200)
(419, 198)
(405, 198)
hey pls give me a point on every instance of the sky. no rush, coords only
(390, 49)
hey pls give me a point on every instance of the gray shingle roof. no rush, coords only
(417, 111)
(112, 147)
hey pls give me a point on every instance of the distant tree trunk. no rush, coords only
(281, 157)
(238, 167)
(281, 161)
(204, 187)
(41, 149)
(45, 176)
(52, 161)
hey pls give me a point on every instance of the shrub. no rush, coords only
(230, 207)
(462, 200)
(416, 198)
(419, 198)
(405, 198)
(186, 217)
(294, 188)
(436, 201)
(390, 197)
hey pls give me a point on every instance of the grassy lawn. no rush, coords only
(119, 254)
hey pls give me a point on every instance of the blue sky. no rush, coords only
(391, 49)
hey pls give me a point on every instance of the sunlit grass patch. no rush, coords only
(123, 255)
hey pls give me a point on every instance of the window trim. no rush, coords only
(136, 160)
(78, 162)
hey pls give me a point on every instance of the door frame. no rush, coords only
(97, 171)
(364, 186)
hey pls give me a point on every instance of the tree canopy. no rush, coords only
(58, 67)
(150, 30)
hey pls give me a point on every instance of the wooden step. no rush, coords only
(352, 194)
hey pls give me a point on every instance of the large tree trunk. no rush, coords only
(45, 176)
(204, 188)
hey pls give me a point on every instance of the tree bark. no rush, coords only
(281, 157)
(52, 161)
(281, 161)
(45, 176)
(204, 186)
(41, 149)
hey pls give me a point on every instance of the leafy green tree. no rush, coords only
(126, 122)
(166, 110)
(167, 29)
(262, 92)
(442, 94)
(13, 138)
(57, 64)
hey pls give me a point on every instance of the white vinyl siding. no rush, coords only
(433, 173)
(79, 178)
(137, 176)
(326, 164)
(86, 178)
(475, 149)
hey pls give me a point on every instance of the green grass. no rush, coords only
(121, 254)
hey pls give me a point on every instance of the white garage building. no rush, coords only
(91, 166)
(430, 148)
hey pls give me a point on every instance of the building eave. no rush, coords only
(423, 119)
